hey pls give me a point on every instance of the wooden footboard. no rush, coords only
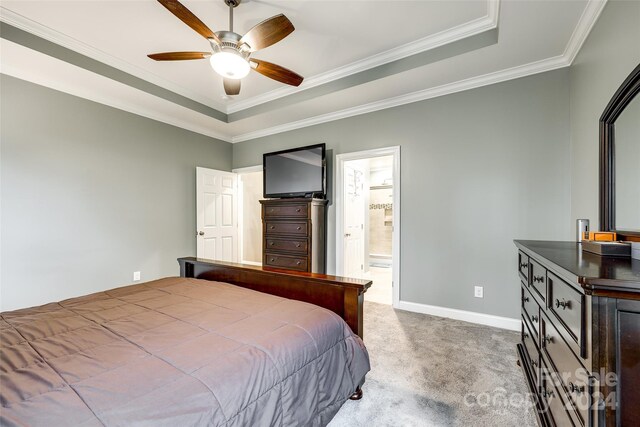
(341, 295)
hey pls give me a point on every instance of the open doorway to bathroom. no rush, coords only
(367, 221)
(249, 214)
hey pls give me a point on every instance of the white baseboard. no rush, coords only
(466, 316)
(257, 264)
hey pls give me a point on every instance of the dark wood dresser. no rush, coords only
(580, 343)
(293, 234)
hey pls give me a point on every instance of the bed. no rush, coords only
(206, 348)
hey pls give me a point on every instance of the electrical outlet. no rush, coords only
(136, 276)
(478, 292)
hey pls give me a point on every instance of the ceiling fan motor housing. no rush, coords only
(230, 42)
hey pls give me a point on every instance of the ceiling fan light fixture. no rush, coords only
(230, 65)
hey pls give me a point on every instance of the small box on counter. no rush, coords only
(601, 236)
(619, 249)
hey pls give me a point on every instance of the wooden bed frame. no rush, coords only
(342, 295)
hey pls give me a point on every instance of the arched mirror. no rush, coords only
(620, 161)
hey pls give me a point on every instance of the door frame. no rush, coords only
(393, 151)
(239, 172)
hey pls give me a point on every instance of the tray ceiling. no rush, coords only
(356, 56)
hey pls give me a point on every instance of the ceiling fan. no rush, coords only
(231, 56)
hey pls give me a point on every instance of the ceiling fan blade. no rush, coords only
(178, 56)
(276, 72)
(231, 86)
(186, 16)
(268, 32)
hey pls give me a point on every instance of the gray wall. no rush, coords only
(607, 57)
(91, 193)
(479, 169)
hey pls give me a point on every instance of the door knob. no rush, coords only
(201, 233)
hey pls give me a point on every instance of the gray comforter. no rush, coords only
(177, 352)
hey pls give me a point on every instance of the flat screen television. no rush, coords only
(299, 172)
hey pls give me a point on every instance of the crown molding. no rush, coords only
(580, 33)
(460, 32)
(447, 89)
(585, 24)
(33, 27)
(40, 76)
(589, 17)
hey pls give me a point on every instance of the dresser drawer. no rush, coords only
(556, 406)
(571, 374)
(298, 210)
(523, 266)
(566, 303)
(286, 262)
(289, 245)
(538, 280)
(531, 308)
(299, 228)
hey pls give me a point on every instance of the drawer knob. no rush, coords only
(526, 335)
(534, 318)
(564, 304)
(547, 393)
(297, 245)
(524, 265)
(298, 262)
(534, 363)
(271, 243)
(548, 339)
(299, 228)
(273, 260)
(525, 299)
(538, 279)
(298, 210)
(273, 227)
(577, 389)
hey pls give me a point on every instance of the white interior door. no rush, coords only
(354, 218)
(217, 215)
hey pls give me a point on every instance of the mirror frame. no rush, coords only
(623, 97)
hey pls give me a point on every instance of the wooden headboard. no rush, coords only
(343, 296)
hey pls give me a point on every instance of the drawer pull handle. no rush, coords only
(547, 393)
(564, 304)
(273, 260)
(524, 265)
(298, 262)
(298, 228)
(534, 318)
(525, 335)
(273, 227)
(271, 243)
(538, 279)
(577, 389)
(525, 299)
(534, 363)
(298, 210)
(297, 245)
(548, 339)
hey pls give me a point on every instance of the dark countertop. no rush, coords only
(591, 271)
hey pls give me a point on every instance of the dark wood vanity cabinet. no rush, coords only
(293, 234)
(580, 343)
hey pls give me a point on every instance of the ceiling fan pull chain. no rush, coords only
(231, 17)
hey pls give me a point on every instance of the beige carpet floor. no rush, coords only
(432, 371)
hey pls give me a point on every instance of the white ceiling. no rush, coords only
(333, 40)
